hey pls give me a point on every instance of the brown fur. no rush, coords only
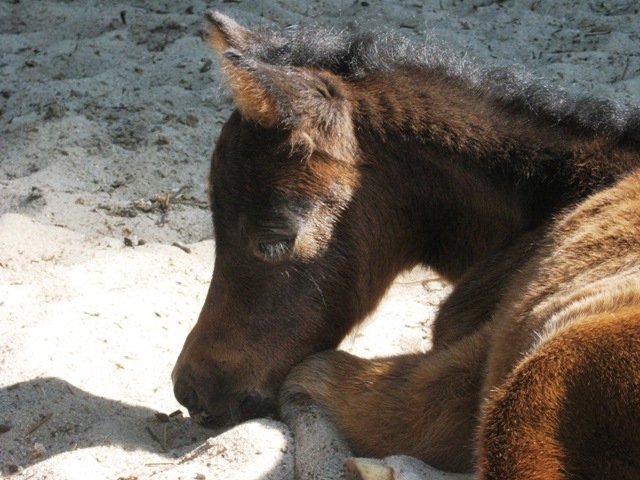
(555, 371)
(325, 185)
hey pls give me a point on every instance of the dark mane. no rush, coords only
(358, 54)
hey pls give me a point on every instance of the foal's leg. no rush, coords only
(478, 292)
(424, 405)
(571, 409)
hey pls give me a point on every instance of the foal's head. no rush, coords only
(283, 174)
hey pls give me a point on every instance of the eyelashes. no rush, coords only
(275, 250)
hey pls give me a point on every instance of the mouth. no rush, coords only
(212, 421)
(248, 409)
(251, 407)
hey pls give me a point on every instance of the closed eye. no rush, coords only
(275, 250)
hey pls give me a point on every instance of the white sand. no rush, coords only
(100, 120)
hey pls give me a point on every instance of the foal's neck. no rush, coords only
(475, 171)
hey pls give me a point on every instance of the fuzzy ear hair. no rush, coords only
(224, 33)
(231, 42)
(281, 95)
(251, 93)
(268, 94)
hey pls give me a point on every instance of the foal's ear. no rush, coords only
(274, 95)
(224, 33)
(282, 95)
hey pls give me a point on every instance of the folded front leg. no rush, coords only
(321, 450)
(424, 405)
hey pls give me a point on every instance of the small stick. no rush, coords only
(153, 435)
(181, 247)
(199, 451)
(597, 32)
(164, 437)
(39, 423)
(626, 68)
(181, 191)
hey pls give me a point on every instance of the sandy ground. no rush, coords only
(108, 113)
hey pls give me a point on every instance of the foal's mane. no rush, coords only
(354, 55)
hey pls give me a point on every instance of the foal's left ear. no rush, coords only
(273, 95)
(224, 33)
(284, 96)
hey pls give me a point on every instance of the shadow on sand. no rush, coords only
(45, 417)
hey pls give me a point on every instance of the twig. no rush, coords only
(597, 32)
(164, 437)
(181, 247)
(75, 49)
(624, 72)
(200, 450)
(39, 423)
(153, 435)
(162, 441)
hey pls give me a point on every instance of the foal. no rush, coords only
(351, 158)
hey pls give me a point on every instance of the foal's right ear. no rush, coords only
(224, 33)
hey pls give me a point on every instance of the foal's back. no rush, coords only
(563, 383)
